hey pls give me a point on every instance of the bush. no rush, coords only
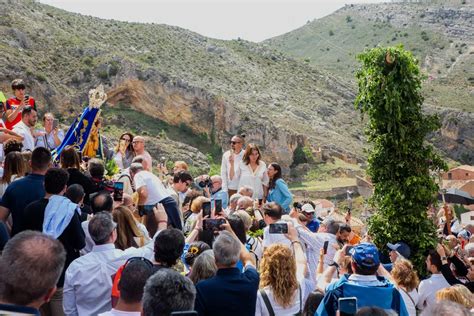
(348, 19)
(399, 162)
(331, 32)
(424, 36)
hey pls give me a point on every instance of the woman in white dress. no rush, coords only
(252, 171)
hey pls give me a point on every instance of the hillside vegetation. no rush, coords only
(440, 35)
(198, 91)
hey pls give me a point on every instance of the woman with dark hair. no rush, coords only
(278, 191)
(123, 152)
(71, 161)
(13, 168)
(237, 225)
(191, 252)
(252, 171)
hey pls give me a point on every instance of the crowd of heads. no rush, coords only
(307, 261)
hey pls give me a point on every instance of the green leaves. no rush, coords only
(400, 161)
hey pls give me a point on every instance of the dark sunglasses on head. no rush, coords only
(132, 259)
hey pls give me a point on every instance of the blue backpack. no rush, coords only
(385, 296)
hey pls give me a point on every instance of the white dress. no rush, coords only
(254, 179)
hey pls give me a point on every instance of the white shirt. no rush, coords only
(228, 184)
(88, 280)
(156, 189)
(314, 242)
(411, 308)
(270, 239)
(255, 179)
(28, 140)
(47, 140)
(428, 288)
(115, 312)
(262, 310)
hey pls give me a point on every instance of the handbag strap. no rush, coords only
(301, 300)
(267, 302)
(411, 299)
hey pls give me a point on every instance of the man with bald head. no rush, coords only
(217, 193)
(139, 148)
(232, 157)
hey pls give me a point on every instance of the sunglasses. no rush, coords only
(133, 259)
(126, 139)
(233, 143)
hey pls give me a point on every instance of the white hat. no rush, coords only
(307, 208)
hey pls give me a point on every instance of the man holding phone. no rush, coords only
(151, 192)
(276, 227)
(363, 287)
(50, 136)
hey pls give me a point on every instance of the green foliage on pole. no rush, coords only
(401, 164)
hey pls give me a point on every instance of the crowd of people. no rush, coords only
(148, 241)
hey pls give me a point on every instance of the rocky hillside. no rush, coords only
(439, 35)
(210, 87)
(196, 90)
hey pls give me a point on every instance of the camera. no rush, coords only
(206, 183)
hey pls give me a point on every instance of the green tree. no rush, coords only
(400, 162)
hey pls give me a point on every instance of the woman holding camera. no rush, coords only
(278, 189)
(252, 171)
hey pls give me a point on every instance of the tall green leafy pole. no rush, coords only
(400, 161)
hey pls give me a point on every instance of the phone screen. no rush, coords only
(55, 123)
(218, 206)
(213, 224)
(118, 191)
(325, 246)
(206, 209)
(348, 306)
(278, 228)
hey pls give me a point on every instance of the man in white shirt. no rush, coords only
(428, 288)
(29, 117)
(314, 242)
(138, 144)
(88, 280)
(233, 156)
(272, 213)
(151, 191)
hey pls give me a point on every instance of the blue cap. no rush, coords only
(365, 255)
(401, 248)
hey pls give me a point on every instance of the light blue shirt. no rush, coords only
(281, 195)
(220, 195)
(47, 141)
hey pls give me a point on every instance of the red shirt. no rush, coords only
(12, 104)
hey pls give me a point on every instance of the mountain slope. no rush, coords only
(205, 88)
(213, 87)
(440, 36)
